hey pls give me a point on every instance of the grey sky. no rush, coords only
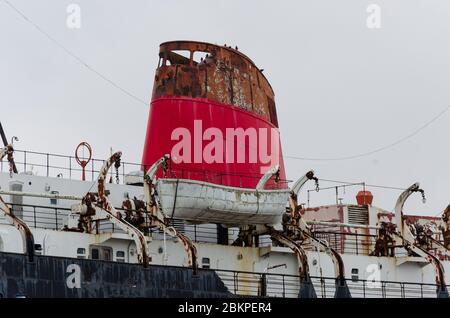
(341, 88)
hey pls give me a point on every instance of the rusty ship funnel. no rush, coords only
(214, 111)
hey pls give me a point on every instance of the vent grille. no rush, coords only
(358, 215)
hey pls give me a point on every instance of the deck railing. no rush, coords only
(288, 286)
(248, 283)
(54, 218)
(55, 165)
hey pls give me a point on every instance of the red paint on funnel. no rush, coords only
(225, 90)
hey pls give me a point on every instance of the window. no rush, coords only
(107, 254)
(53, 200)
(205, 263)
(81, 252)
(178, 57)
(94, 253)
(38, 249)
(103, 253)
(120, 256)
(200, 57)
(355, 274)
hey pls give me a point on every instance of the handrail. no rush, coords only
(51, 164)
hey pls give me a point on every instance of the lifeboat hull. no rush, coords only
(199, 201)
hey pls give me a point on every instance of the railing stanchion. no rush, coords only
(324, 287)
(56, 219)
(93, 169)
(48, 159)
(364, 289)
(356, 243)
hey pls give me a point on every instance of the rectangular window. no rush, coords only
(206, 263)
(107, 254)
(103, 253)
(120, 256)
(95, 253)
(38, 249)
(81, 252)
(355, 274)
(53, 200)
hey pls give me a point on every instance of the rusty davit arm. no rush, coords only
(306, 286)
(266, 177)
(293, 198)
(298, 185)
(342, 290)
(106, 210)
(9, 147)
(8, 151)
(3, 153)
(25, 232)
(404, 237)
(149, 191)
(399, 219)
(157, 217)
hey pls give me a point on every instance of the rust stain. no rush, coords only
(224, 75)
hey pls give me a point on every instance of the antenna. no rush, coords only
(2, 133)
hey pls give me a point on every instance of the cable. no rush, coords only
(378, 149)
(81, 61)
(73, 55)
(367, 185)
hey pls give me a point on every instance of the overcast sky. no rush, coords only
(341, 88)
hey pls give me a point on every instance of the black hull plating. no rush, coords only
(50, 276)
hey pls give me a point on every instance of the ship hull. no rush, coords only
(62, 277)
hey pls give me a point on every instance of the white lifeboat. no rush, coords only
(204, 202)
